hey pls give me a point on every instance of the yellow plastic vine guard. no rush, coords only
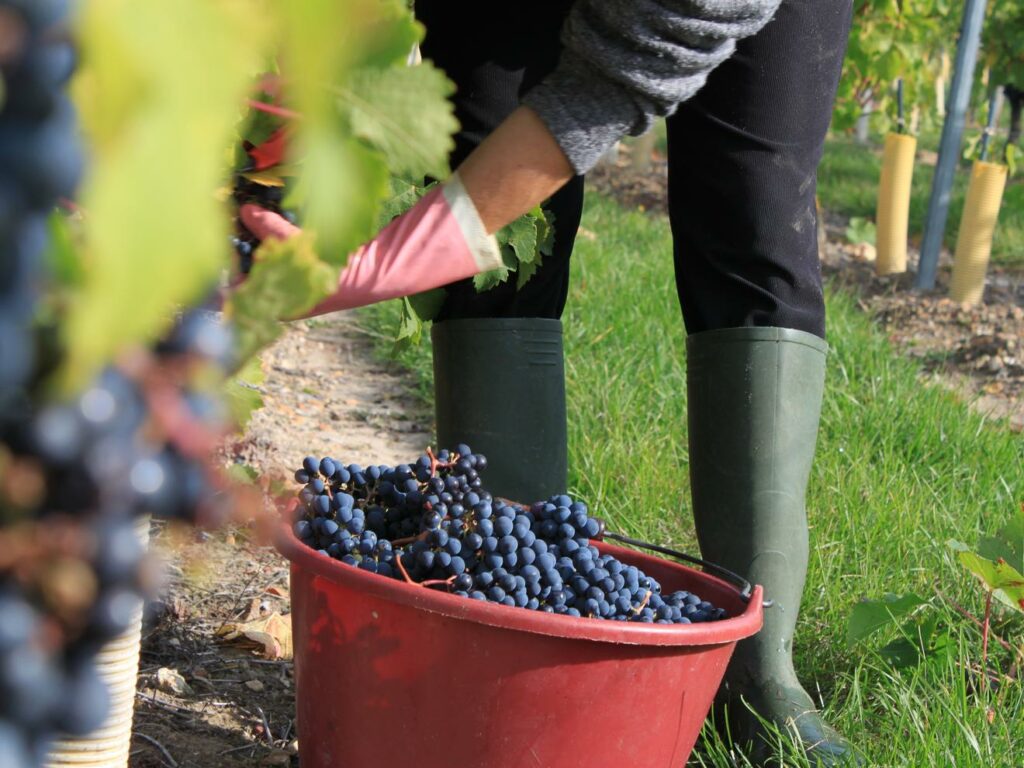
(894, 203)
(977, 226)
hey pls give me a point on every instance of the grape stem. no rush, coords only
(405, 573)
(409, 540)
(436, 463)
(639, 608)
(437, 582)
(429, 583)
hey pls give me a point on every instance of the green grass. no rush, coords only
(901, 468)
(848, 185)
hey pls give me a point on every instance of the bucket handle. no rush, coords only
(746, 588)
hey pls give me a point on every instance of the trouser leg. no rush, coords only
(743, 158)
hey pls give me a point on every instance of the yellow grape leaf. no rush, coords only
(159, 93)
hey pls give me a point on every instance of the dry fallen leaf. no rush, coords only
(273, 633)
(254, 685)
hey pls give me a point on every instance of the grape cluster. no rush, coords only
(88, 469)
(112, 447)
(243, 241)
(40, 162)
(76, 475)
(432, 523)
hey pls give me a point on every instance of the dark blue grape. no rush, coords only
(322, 505)
(507, 545)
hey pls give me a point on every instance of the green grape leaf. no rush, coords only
(521, 236)
(971, 147)
(243, 473)
(869, 616)
(526, 271)
(343, 185)
(523, 244)
(426, 305)
(919, 641)
(404, 113)
(1008, 543)
(485, 281)
(544, 235)
(402, 195)
(901, 653)
(242, 392)
(999, 577)
(287, 280)
(861, 230)
(410, 328)
(154, 236)
(389, 40)
(345, 180)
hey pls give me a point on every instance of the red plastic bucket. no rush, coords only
(396, 675)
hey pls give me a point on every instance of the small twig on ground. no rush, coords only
(268, 734)
(238, 601)
(163, 750)
(238, 749)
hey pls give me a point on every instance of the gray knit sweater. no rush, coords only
(626, 62)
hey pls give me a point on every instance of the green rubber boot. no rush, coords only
(754, 399)
(499, 387)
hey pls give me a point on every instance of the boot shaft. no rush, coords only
(499, 386)
(754, 401)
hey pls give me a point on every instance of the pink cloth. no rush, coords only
(424, 248)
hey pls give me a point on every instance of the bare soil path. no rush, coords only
(324, 393)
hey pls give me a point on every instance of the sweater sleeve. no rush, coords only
(626, 62)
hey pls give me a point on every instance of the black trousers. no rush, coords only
(743, 158)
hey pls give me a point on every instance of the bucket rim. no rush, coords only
(718, 632)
